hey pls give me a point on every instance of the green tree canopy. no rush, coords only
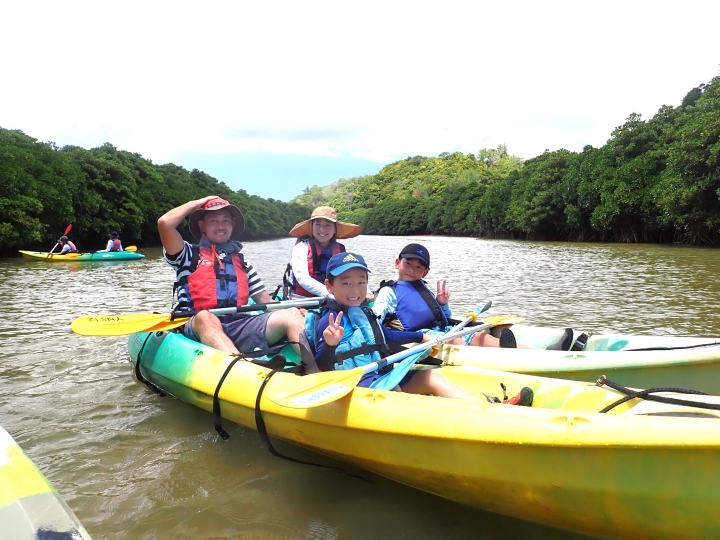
(43, 188)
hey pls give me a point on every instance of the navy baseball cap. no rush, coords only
(345, 261)
(416, 251)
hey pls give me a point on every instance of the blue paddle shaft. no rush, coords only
(394, 377)
(423, 347)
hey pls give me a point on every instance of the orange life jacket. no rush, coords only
(215, 281)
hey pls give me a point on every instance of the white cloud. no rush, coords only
(371, 79)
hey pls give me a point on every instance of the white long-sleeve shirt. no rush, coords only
(299, 264)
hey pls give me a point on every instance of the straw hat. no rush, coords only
(217, 204)
(344, 230)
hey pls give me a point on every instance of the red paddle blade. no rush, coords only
(67, 230)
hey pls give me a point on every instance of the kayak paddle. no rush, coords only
(328, 386)
(501, 320)
(131, 248)
(391, 379)
(120, 325)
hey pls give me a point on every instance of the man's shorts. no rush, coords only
(247, 332)
(369, 378)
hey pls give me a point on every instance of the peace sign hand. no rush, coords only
(335, 331)
(443, 295)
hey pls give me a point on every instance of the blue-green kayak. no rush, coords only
(83, 257)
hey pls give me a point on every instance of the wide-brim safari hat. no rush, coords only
(344, 230)
(217, 204)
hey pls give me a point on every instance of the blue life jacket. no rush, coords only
(417, 307)
(363, 342)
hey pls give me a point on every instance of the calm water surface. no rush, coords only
(134, 465)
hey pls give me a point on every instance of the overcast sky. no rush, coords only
(273, 96)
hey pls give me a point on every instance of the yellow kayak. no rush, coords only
(30, 508)
(642, 470)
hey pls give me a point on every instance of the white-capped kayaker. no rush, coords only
(317, 242)
(114, 243)
(409, 304)
(214, 273)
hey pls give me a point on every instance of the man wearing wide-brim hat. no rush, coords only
(214, 273)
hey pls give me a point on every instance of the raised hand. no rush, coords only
(335, 331)
(443, 295)
(201, 202)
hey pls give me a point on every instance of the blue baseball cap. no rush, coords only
(416, 251)
(345, 261)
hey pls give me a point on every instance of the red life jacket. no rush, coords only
(116, 245)
(215, 281)
(73, 249)
(313, 262)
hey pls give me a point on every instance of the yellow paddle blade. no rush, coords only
(499, 320)
(121, 325)
(72, 255)
(131, 248)
(312, 390)
(165, 325)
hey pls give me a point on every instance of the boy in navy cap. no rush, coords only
(408, 304)
(348, 334)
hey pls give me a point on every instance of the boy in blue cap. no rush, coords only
(409, 304)
(348, 334)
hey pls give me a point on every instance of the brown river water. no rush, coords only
(136, 466)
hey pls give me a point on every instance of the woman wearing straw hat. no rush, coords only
(317, 242)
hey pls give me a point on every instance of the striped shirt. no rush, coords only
(181, 263)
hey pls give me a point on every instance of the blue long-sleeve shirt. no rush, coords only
(325, 355)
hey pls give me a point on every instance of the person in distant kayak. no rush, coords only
(317, 242)
(66, 245)
(409, 304)
(346, 327)
(214, 273)
(114, 244)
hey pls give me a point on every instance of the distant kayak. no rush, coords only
(30, 507)
(82, 257)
